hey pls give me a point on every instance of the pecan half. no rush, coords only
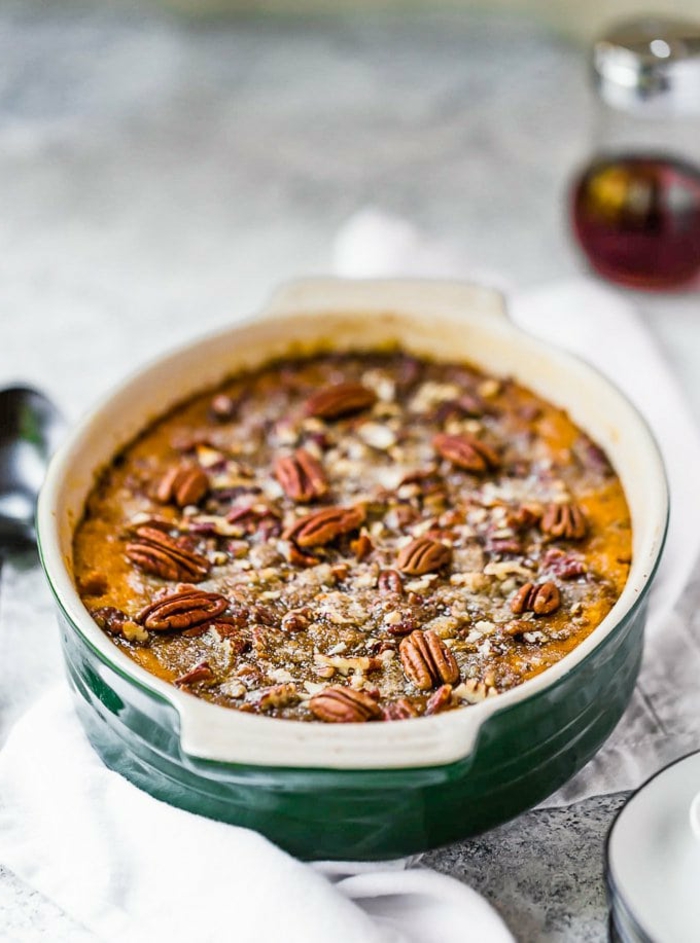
(423, 556)
(321, 527)
(540, 598)
(401, 709)
(564, 520)
(337, 705)
(342, 399)
(427, 661)
(182, 485)
(301, 476)
(200, 672)
(159, 554)
(390, 581)
(467, 452)
(182, 610)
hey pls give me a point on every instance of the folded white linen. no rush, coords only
(130, 867)
(602, 326)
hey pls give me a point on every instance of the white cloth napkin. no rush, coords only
(132, 868)
(602, 326)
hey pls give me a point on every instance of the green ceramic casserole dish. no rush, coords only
(361, 791)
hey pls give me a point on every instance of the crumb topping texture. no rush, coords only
(354, 538)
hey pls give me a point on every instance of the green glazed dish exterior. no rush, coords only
(523, 753)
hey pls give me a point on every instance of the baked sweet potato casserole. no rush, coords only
(354, 537)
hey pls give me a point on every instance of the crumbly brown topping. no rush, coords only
(355, 538)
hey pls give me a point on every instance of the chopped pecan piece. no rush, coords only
(223, 408)
(322, 527)
(542, 599)
(362, 547)
(390, 582)
(301, 476)
(440, 701)
(516, 628)
(423, 556)
(427, 661)
(295, 621)
(342, 399)
(183, 485)
(281, 695)
(565, 566)
(116, 622)
(404, 626)
(110, 619)
(200, 672)
(157, 553)
(522, 517)
(237, 643)
(504, 545)
(566, 521)
(344, 706)
(468, 404)
(297, 558)
(467, 452)
(182, 610)
(401, 709)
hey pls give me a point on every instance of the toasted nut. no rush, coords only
(466, 452)
(281, 695)
(183, 485)
(427, 661)
(362, 547)
(110, 619)
(200, 672)
(566, 521)
(440, 701)
(542, 599)
(401, 709)
(301, 476)
(423, 556)
(157, 553)
(343, 399)
(294, 622)
(182, 610)
(223, 408)
(297, 558)
(390, 581)
(322, 527)
(344, 706)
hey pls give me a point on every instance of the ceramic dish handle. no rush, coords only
(420, 296)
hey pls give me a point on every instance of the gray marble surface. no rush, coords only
(160, 176)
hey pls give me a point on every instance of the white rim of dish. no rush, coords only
(446, 320)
